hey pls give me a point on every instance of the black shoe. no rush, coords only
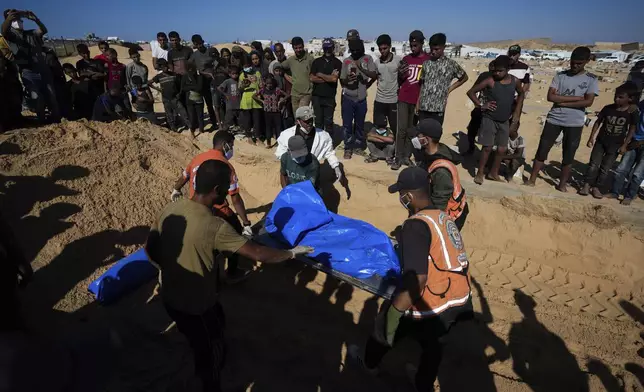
(407, 162)
(396, 165)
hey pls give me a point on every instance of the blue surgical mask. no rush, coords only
(248, 69)
(299, 160)
(382, 131)
(228, 152)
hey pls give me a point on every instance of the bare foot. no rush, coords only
(562, 188)
(478, 180)
(496, 178)
(529, 183)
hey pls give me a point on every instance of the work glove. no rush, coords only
(301, 250)
(386, 325)
(248, 231)
(25, 274)
(176, 195)
(338, 173)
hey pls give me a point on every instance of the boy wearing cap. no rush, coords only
(408, 80)
(357, 70)
(300, 68)
(318, 142)
(571, 92)
(299, 164)
(385, 106)
(436, 80)
(440, 161)
(325, 72)
(519, 69)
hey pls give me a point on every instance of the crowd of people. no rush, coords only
(288, 103)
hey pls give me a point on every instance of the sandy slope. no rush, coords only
(558, 291)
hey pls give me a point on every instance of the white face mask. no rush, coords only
(17, 24)
(299, 160)
(416, 143)
(405, 200)
(304, 130)
(228, 152)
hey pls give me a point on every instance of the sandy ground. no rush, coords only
(558, 279)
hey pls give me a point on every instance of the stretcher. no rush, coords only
(376, 285)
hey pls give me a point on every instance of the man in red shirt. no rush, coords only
(115, 70)
(222, 150)
(103, 47)
(409, 80)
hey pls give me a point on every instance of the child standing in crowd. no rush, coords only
(252, 113)
(104, 55)
(112, 105)
(115, 70)
(192, 87)
(219, 100)
(571, 92)
(612, 133)
(273, 100)
(93, 69)
(230, 90)
(80, 91)
(170, 91)
(135, 68)
(287, 118)
(142, 100)
(497, 111)
(632, 162)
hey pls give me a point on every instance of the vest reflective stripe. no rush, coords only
(448, 283)
(456, 203)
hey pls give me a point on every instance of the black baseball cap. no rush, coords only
(297, 147)
(416, 35)
(514, 49)
(353, 34)
(410, 179)
(428, 127)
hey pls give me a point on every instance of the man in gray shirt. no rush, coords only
(571, 92)
(385, 106)
(357, 70)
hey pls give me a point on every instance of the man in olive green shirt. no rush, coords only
(185, 242)
(300, 69)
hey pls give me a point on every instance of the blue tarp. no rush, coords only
(353, 247)
(126, 275)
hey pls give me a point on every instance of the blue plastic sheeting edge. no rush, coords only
(126, 275)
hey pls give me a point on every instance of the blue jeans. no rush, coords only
(354, 113)
(632, 162)
(40, 90)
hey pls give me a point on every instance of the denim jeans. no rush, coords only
(40, 89)
(354, 113)
(629, 173)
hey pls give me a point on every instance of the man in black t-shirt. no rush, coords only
(93, 69)
(205, 61)
(170, 87)
(178, 55)
(324, 76)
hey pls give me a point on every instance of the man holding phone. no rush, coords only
(30, 59)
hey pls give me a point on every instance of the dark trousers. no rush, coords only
(406, 119)
(232, 115)
(571, 139)
(273, 123)
(630, 173)
(252, 119)
(602, 157)
(476, 116)
(386, 113)
(233, 220)
(426, 333)
(208, 99)
(438, 116)
(353, 116)
(173, 109)
(205, 334)
(323, 107)
(195, 113)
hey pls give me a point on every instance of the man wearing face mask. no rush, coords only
(222, 150)
(434, 291)
(440, 161)
(299, 164)
(186, 242)
(27, 46)
(318, 141)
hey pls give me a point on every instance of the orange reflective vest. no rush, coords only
(456, 203)
(448, 278)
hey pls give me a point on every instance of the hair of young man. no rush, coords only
(297, 41)
(161, 34)
(173, 34)
(257, 46)
(162, 63)
(103, 43)
(196, 38)
(82, 48)
(502, 62)
(132, 51)
(383, 40)
(581, 53)
(112, 51)
(136, 79)
(438, 39)
(233, 68)
(211, 174)
(278, 44)
(630, 89)
(222, 137)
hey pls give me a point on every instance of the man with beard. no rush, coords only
(357, 70)
(408, 78)
(300, 69)
(325, 73)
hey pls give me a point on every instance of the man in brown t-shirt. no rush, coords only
(185, 242)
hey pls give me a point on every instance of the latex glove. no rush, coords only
(338, 173)
(248, 231)
(386, 325)
(26, 273)
(176, 195)
(301, 250)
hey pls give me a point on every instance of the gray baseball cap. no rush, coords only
(297, 147)
(304, 113)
